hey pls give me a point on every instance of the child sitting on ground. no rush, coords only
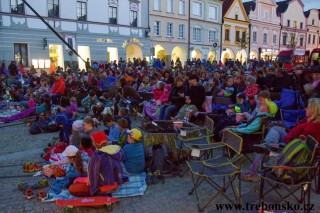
(134, 153)
(86, 146)
(72, 110)
(114, 132)
(105, 164)
(123, 127)
(123, 113)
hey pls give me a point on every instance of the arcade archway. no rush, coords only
(133, 51)
(179, 52)
(227, 54)
(160, 52)
(196, 54)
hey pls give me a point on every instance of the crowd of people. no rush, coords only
(108, 93)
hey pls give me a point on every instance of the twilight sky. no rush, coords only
(308, 4)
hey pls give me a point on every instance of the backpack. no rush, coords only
(296, 153)
(159, 159)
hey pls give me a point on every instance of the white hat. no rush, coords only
(70, 151)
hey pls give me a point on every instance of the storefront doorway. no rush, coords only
(112, 54)
(133, 51)
(56, 54)
(84, 52)
(179, 52)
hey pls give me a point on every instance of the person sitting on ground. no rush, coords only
(72, 110)
(123, 113)
(114, 132)
(86, 146)
(75, 137)
(105, 164)
(145, 85)
(251, 90)
(123, 127)
(134, 160)
(89, 101)
(277, 137)
(89, 126)
(58, 88)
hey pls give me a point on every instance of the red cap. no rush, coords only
(99, 137)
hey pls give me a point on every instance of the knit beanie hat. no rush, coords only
(99, 138)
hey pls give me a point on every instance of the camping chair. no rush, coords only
(267, 175)
(254, 138)
(218, 167)
(204, 138)
(291, 117)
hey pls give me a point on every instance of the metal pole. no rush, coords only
(53, 30)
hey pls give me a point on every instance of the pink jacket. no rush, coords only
(166, 93)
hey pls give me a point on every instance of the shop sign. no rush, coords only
(104, 40)
(132, 40)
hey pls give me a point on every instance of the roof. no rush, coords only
(282, 6)
(248, 6)
(307, 13)
(226, 5)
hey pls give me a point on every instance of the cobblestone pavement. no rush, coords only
(18, 146)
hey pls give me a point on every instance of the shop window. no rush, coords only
(21, 53)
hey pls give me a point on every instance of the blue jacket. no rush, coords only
(104, 168)
(114, 133)
(107, 83)
(252, 126)
(134, 158)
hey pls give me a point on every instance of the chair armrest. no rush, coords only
(203, 147)
(303, 166)
(194, 138)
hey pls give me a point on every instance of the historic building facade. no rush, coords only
(313, 29)
(235, 31)
(169, 29)
(104, 31)
(264, 29)
(293, 26)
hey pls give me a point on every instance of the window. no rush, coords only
(133, 18)
(236, 17)
(53, 8)
(227, 34)
(292, 40)
(81, 11)
(17, 7)
(21, 53)
(181, 31)
(312, 21)
(243, 38)
(213, 13)
(170, 6)
(157, 28)
(169, 29)
(237, 36)
(284, 40)
(301, 42)
(288, 23)
(314, 39)
(254, 36)
(197, 34)
(274, 39)
(212, 36)
(301, 25)
(265, 38)
(182, 7)
(266, 14)
(112, 15)
(294, 24)
(309, 39)
(197, 8)
(157, 5)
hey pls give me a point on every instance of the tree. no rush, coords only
(243, 43)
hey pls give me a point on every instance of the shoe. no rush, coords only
(28, 194)
(23, 186)
(28, 167)
(36, 167)
(155, 177)
(42, 195)
(43, 183)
